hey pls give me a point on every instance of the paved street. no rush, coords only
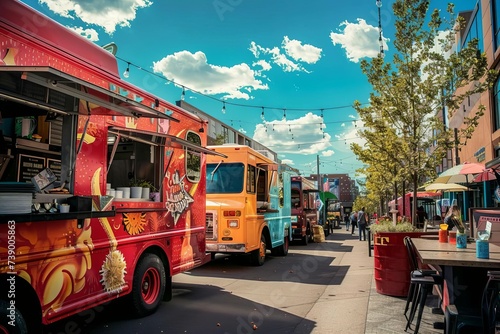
(320, 288)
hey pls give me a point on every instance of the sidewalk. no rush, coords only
(351, 303)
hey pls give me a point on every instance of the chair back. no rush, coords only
(412, 255)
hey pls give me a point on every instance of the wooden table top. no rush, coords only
(438, 253)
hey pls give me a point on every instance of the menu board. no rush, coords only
(55, 167)
(28, 167)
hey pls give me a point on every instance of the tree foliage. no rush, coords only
(427, 80)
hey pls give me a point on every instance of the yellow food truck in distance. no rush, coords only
(248, 204)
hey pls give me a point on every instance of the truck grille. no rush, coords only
(210, 226)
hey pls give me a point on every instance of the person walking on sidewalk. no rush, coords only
(347, 221)
(362, 221)
(354, 221)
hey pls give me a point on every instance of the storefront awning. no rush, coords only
(112, 102)
(168, 139)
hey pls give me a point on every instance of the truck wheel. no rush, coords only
(310, 233)
(258, 256)
(148, 286)
(283, 249)
(305, 238)
(18, 324)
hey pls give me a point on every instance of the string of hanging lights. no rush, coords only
(126, 74)
(380, 41)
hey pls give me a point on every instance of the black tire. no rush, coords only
(6, 316)
(148, 286)
(305, 239)
(281, 250)
(310, 233)
(258, 256)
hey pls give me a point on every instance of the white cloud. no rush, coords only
(290, 55)
(359, 40)
(106, 14)
(301, 52)
(298, 136)
(288, 162)
(193, 70)
(328, 153)
(89, 34)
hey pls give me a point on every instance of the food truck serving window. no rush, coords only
(134, 159)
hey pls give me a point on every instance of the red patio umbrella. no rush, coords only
(485, 175)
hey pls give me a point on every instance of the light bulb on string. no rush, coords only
(183, 94)
(284, 114)
(126, 74)
(262, 114)
(380, 41)
(223, 107)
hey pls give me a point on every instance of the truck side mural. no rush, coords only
(75, 140)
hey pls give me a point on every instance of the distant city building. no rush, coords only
(341, 185)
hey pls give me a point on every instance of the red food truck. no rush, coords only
(74, 138)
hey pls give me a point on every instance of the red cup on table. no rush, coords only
(443, 235)
(452, 237)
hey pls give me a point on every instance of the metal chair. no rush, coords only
(421, 283)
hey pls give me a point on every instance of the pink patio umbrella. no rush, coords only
(462, 173)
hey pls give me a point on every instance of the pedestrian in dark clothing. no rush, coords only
(362, 221)
(354, 221)
(421, 217)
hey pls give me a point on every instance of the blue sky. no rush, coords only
(297, 59)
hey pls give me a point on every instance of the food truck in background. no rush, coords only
(248, 203)
(304, 197)
(72, 134)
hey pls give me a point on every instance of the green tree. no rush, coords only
(406, 137)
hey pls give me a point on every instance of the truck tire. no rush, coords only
(148, 286)
(305, 238)
(20, 325)
(281, 250)
(310, 233)
(258, 256)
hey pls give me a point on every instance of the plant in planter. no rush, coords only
(141, 188)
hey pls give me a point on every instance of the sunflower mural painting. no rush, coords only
(134, 222)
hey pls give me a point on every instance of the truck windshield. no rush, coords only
(225, 178)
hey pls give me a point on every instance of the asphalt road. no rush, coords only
(228, 295)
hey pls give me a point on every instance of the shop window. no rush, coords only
(496, 101)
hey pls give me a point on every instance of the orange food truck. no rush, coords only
(73, 138)
(248, 204)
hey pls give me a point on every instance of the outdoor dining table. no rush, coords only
(465, 275)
